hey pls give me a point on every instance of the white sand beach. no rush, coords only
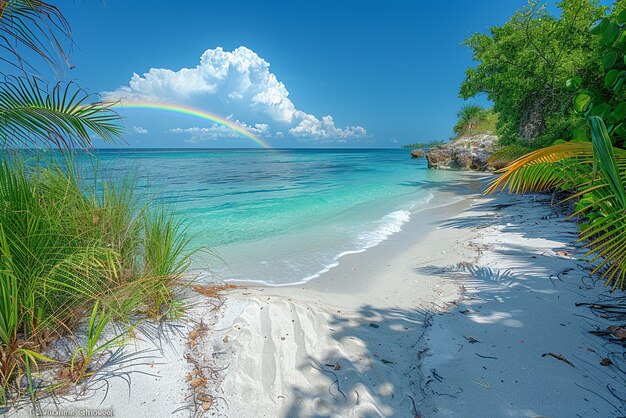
(450, 317)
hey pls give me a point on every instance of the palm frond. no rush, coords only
(35, 26)
(595, 173)
(521, 177)
(63, 117)
(604, 159)
(506, 155)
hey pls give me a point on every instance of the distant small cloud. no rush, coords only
(216, 131)
(139, 130)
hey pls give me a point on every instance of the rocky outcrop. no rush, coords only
(417, 153)
(464, 153)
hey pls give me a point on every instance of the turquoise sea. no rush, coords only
(281, 216)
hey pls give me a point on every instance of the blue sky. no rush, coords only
(386, 72)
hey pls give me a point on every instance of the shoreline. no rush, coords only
(373, 336)
(445, 195)
(366, 316)
(379, 334)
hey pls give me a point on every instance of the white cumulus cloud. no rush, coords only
(312, 127)
(140, 130)
(237, 81)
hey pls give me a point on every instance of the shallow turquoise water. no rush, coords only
(281, 216)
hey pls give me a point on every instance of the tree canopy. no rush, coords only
(473, 119)
(524, 64)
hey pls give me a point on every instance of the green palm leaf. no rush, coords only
(604, 159)
(35, 26)
(29, 115)
(595, 172)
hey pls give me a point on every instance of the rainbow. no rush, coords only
(199, 113)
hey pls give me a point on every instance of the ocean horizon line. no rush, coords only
(208, 149)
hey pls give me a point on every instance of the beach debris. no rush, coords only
(434, 373)
(196, 382)
(606, 362)
(205, 400)
(225, 339)
(196, 333)
(335, 366)
(558, 357)
(482, 383)
(374, 325)
(387, 361)
(563, 253)
(471, 339)
(318, 366)
(618, 332)
(199, 377)
(490, 357)
(416, 413)
(207, 405)
(212, 290)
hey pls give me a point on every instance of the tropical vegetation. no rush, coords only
(588, 161)
(429, 144)
(523, 66)
(473, 120)
(74, 254)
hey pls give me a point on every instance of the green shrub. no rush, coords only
(65, 247)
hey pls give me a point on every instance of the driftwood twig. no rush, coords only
(558, 357)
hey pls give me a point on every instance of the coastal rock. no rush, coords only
(465, 153)
(417, 153)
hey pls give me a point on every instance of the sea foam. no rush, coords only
(380, 231)
(383, 229)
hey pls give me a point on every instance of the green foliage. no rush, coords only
(524, 64)
(29, 115)
(65, 247)
(430, 144)
(506, 155)
(594, 171)
(606, 96)
(37, 27)
(83, 356)
(473, 120)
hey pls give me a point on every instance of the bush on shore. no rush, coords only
(70, 251)
(592, 167)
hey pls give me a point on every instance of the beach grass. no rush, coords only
(72, 251)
